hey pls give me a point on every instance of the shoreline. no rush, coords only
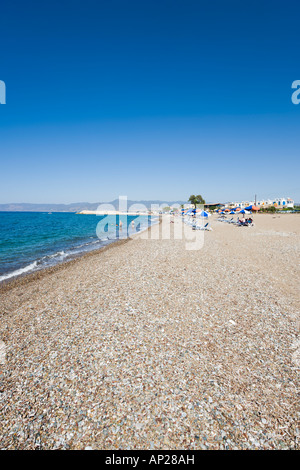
(25, 278)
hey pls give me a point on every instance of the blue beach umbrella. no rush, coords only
(242, 212)
(232, 212)
(203, 214)
(191, 211)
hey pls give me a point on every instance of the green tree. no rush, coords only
(196, 200)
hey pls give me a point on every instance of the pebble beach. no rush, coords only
(148, 345)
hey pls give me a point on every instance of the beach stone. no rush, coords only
(149, 345)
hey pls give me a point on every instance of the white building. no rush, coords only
(280, 203)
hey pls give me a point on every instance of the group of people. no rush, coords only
(120, 225)
(243, 221)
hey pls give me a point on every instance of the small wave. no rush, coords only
(18, 272)
(87, 244)
(55, 255)
(36, 265)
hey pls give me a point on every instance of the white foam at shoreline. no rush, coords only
(18, 272)
(61, 255)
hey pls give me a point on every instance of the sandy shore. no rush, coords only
(147, 345)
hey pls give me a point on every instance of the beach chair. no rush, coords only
(196, 224)
(190, 222)
(203, 227)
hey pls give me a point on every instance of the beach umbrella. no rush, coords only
(232, 212)
(204, 214)
(192, 211)
(255, 208)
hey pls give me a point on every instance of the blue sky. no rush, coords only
(149, 99)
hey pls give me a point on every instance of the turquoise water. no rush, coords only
(30, 241)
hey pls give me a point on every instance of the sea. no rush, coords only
(30, 241)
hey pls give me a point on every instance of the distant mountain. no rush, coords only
(76, 206)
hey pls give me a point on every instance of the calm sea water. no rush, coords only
(33, 240)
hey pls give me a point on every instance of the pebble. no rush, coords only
(134, 347)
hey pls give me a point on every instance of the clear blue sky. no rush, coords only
(149, 99)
